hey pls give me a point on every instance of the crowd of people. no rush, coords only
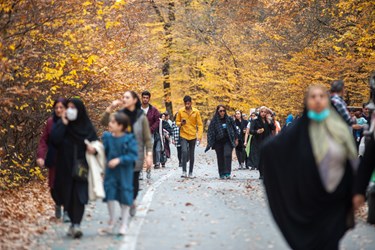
(309, 165)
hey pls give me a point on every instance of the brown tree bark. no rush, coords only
(168, 42)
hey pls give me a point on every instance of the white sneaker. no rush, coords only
(191, 176)
(184, 174)
(123, 230)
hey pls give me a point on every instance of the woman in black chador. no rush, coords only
(68, 136)
(308, 174)
(261, 129)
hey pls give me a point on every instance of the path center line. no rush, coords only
(131, 238)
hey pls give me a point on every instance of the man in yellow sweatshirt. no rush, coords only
(191, 130)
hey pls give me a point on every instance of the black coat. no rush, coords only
(258, 139)
(258, 124)
(308, 216)
(216, 133)
(241, 126)
(366, 168)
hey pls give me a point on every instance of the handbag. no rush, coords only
(80, 168)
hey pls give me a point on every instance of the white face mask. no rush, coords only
(71, 114)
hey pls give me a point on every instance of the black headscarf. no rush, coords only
(215, 131)
(308, 216)
(82, 128)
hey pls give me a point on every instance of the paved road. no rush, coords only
(201, 213)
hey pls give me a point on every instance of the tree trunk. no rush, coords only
(168, 42)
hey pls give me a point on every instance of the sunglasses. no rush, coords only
(222, 111)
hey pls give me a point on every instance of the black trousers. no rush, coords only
(179, 153)
(76, 209)
(241, 154)
(136, 184)
(187, 153)
(224, 157)
(55, 197)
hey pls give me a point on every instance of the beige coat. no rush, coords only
(96, 168)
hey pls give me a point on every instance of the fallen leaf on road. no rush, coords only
(188, 204)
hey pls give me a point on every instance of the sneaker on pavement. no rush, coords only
(148, 174)
(58, 211)
(141, 175)
(163, 165)
(123, 230)
(222, 177)
(191, 176)
(184, 175)
(77, 232)
(109, 229)
(66, 218)
(157, 166)
(133, 210)
(227, 176)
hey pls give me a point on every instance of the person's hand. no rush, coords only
(40, 162)
(245, 144)
(260, 131)
(149, 161)
(90, 149)
(356, 127)
(64, 119)
(358, 201)
(113, 105)
(113, 163)
(269, 118)
(236, 142)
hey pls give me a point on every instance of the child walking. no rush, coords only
(121, 152)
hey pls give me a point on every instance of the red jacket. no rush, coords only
(43, 148)
(153, 116)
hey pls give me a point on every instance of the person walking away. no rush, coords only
(191, 130)
(131, 106)
(261, 129)
(247, 142)
(153, 116)
(122, 153)
(241, 126)
(222, 136)
(46, 156)
(176, 139)
(68, 136)
(317, 156)
(289, 120)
